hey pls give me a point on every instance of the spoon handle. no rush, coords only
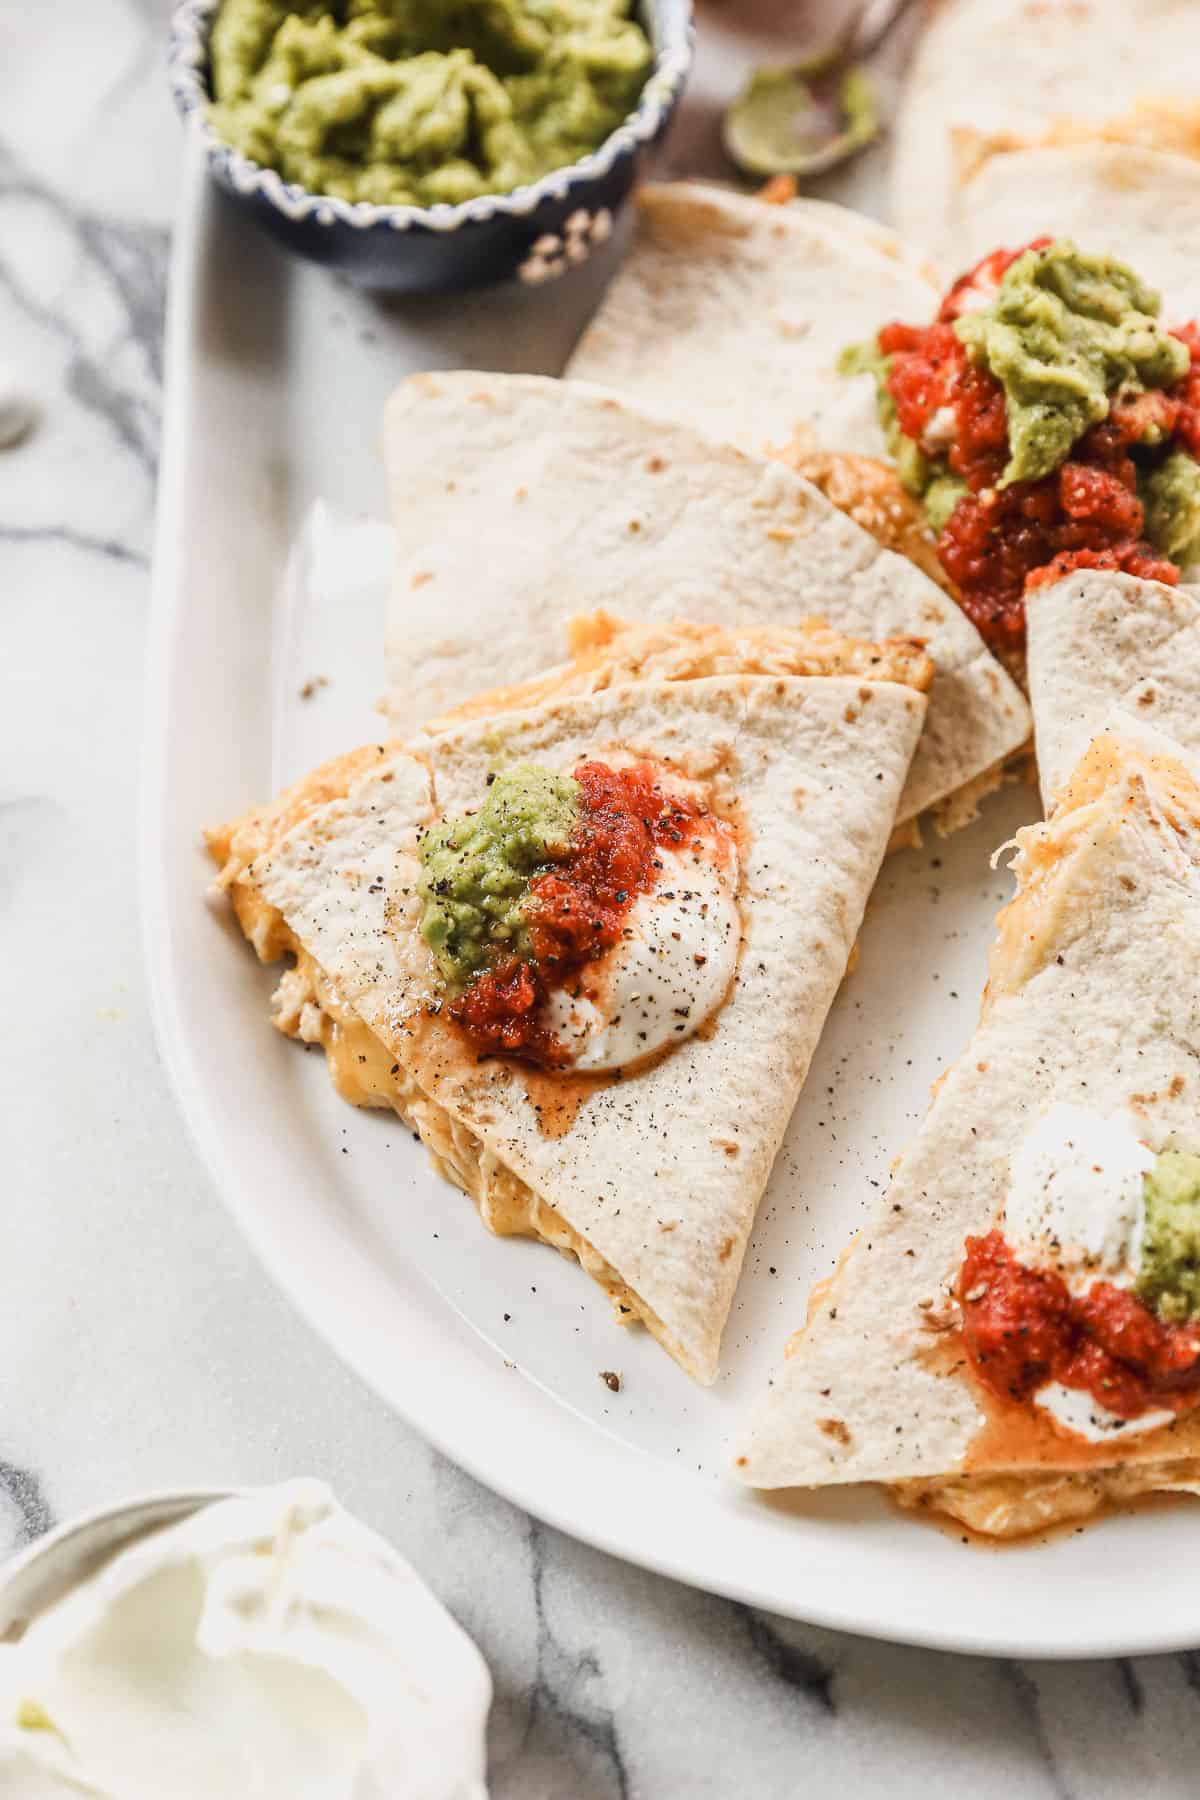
(876, 22)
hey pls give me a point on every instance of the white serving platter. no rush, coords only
(494, 1348)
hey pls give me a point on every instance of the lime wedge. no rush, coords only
(784, 124)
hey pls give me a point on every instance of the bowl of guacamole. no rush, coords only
(429, 145)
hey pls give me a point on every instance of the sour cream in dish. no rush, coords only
(269, 1644)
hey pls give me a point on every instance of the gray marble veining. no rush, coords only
(140, 1345)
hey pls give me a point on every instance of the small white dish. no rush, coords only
(209, 1642)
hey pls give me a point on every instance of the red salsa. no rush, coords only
(1086, 514)
(1023, 1327)
(577, 909)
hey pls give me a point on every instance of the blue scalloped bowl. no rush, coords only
(533, 234)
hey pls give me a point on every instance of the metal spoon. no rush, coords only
(805, 117)
(52, 1565)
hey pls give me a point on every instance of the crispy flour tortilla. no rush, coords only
(651, 1180)
(1172, 125)
(1140, 205)
(1091, 999)
(608, 652)
(520, 501)
(873, 495)
(1098, 640)
(729, 314)
(988, 67)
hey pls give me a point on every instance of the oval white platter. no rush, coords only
(494, 1348)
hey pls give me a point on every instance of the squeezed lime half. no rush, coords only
(788, 122)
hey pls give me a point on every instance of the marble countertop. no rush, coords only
(141, 1345)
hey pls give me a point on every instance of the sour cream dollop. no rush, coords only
(670, 972)
(1075, 1203)
(1078, 1410)
(268, 1645)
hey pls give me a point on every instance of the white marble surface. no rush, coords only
(140, 1344)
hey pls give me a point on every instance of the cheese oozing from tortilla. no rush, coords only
(667, 975)
(1075, 1203)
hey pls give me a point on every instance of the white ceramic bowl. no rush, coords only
(530, 234)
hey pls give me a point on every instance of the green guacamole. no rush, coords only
(475, 871)
(1064, 333)
(422, 101)
(1169, 1275)
(1171, 496)
(930, 479)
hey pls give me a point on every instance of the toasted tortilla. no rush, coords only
(1091, 1000)
(1157, 124)
(609, 652)
(873, 495)
(1142, 206)
(520, 501)
(1098, 640)
(651, 1180)
(1026, 70)
(729, 314)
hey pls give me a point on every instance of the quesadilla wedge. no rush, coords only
(1100, 640)
(585, 949)
(1150, 124)
(1140, 205)
(1014, 1337)
(538, 499)
(996, 68)
(729, 314)
(872, 494)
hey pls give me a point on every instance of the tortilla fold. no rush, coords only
(1090, 1000)
(519, 502)
(1010, 70)
(1100, 640)
(729, 314)
(1140, 206)
(650, 1178)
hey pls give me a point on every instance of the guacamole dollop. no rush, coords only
(476, 870)
(1065, 332)
(422, 101)
(1169, 1272)
(1048, 422)
(1171, 495)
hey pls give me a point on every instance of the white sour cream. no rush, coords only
(940, 432)
(669, 975)
(1079, 1411)
(268, 1645)
(1075, 1205)
(1075, 1198)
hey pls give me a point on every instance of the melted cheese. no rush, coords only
(1031, 928)
(1018, 1504)
(306, 1005)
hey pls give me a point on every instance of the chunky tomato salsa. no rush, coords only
(577, 908)
(1024, 1328)
(1049, 423)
